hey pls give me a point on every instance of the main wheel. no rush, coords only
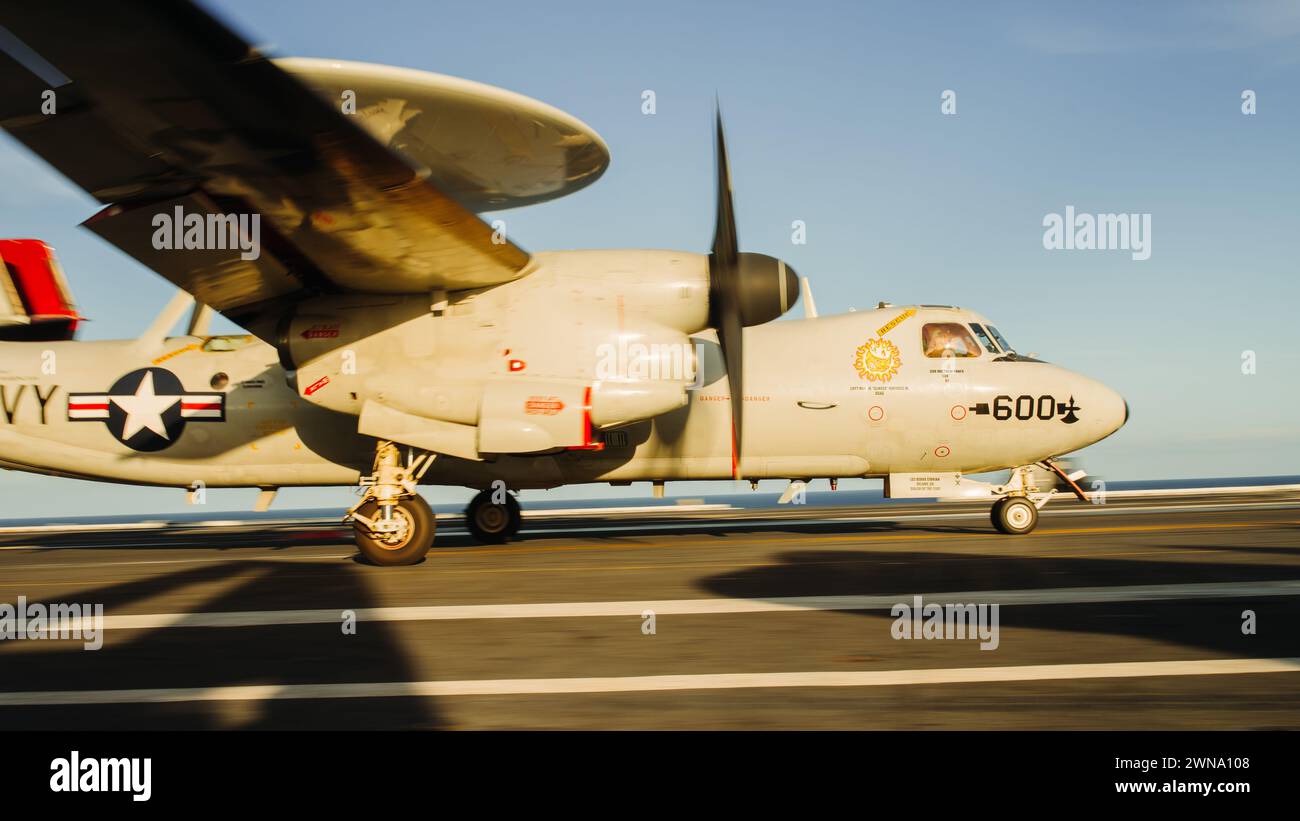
(490, 522)
(1014, 515)
(408, 544)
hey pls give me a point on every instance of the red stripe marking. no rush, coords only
(586, 416)
(587, 444)
(80, 406)
(200, 406)
(735, 461)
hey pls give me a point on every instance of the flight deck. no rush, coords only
(1124, 615)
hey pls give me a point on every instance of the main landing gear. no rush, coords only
(392, 522)
(493, 516)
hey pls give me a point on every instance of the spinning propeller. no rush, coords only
(744, 289)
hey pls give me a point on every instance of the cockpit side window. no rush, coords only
(942, 339)
(1001, 341)
(227, 343)
(984, 337)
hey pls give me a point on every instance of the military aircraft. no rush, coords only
(396, 338)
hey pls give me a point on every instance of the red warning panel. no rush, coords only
(35, 303)
(543, 405)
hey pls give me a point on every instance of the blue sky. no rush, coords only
(833, 118)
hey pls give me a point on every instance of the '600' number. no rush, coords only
(1025, 407)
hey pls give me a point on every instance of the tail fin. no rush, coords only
(35, 303)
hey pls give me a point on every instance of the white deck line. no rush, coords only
(633, 684)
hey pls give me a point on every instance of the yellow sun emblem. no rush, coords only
(878, 360)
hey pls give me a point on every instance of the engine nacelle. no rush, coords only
(533, 416)
(325, 346)
(668, 289)
(588, 340)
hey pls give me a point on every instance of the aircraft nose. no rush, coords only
(1097, 410)
(1113, 412)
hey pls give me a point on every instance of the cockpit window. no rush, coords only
(1001, 341)
(984, 338)
(948, 339)
(227, 343)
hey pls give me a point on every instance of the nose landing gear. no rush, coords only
(1017, 513)
(1016, 501)
(1014, 515)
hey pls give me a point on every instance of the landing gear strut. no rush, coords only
(392, 523)
(1017, 513)
(1016, 501)
(493, 522)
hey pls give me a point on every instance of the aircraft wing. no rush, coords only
(158, 106)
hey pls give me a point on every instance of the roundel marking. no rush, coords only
(147, 409)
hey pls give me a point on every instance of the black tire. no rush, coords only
(1015, 516)
(408, 550)
(516, 517)
(491, 523)
(996, 514)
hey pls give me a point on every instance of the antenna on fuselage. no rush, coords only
(805, 293)
(200, 320)
(167, 318)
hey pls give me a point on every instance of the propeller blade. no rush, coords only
(725, 245)
(724, 274)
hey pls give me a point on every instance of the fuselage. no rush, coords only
(890, 390)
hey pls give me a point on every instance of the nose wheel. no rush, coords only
(1014, 515)
(491, 522)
